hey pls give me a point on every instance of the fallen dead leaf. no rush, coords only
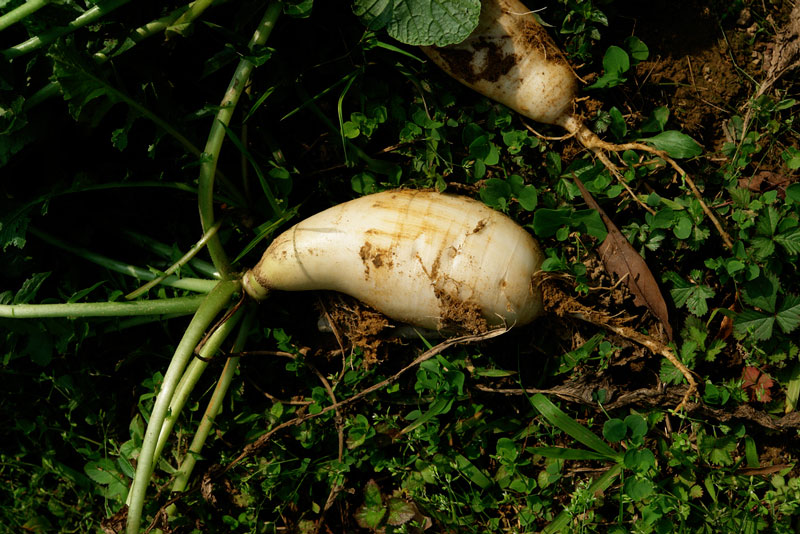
(621, 259)
(763, 471)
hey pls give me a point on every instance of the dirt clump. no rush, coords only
(460, 315)
(358, 324)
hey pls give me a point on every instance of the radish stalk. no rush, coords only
(190, 377)
(216, 136)
(87, 17)
(173, 306)
(510, 58)
(177, 265)
(21, 12)
(424, 258)
(212, 410)
(192, 284)
(214, 302)
(165, 251)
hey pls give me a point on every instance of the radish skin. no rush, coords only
(424, 258)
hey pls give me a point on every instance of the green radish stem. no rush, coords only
(212, 410)
(177, 265)
(21, 12)
(216, 136)
(190, 377)
(89, 16)
(173, 306)
(214, 302)
(192, 13)
(192, 284)
(166, 252)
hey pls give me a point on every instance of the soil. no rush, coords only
(704, 63)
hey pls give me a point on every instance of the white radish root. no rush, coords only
(429, 259)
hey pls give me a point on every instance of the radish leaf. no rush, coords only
(421, 22)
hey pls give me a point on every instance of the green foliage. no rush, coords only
(421, 22)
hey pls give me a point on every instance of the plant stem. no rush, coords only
(216, 136)
(214, 302)
(90, 15)
(165, 251)
(193, 12)
(175, 266)
(179, 305)
(212, 410)
(190, 377)
(15, 15)
(192, 284)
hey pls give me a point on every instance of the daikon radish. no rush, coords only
(510, 58)
(429, 259)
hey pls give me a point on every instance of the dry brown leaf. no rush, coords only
(763, 471)
(621, 259)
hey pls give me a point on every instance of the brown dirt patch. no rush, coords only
(359, 324)
(705, 60)
(460, 315)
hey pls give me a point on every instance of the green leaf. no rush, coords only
(29, 288)
(13, 230)
(768, 221)
(638, 50)
(572, 358)
(762, 292)
(371, 513)
(675, 143)
(618, 126)
(657, 120)
(757, 322)
(792, 158)
(547, 221)
(638, 488)
(763, 247)
(473, 473)
(571, 427)
(637, 425)
(421, 22)
(693, 296)
(563, 453)
(683, 229)
(363, 183)
(374, 14)
(298, 8)
(102, 471)
(788, 316)
(719, 449)
(507, 450)
(616, 60)
(591, 220)
(81, 84)
(669, 374)
(495, 193)
(639, 460)
(615, 64)
(528, 198)
(615, 430)
(400, 511)
(790, 241)
(793, 193)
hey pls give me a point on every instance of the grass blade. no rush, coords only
(571, 427)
